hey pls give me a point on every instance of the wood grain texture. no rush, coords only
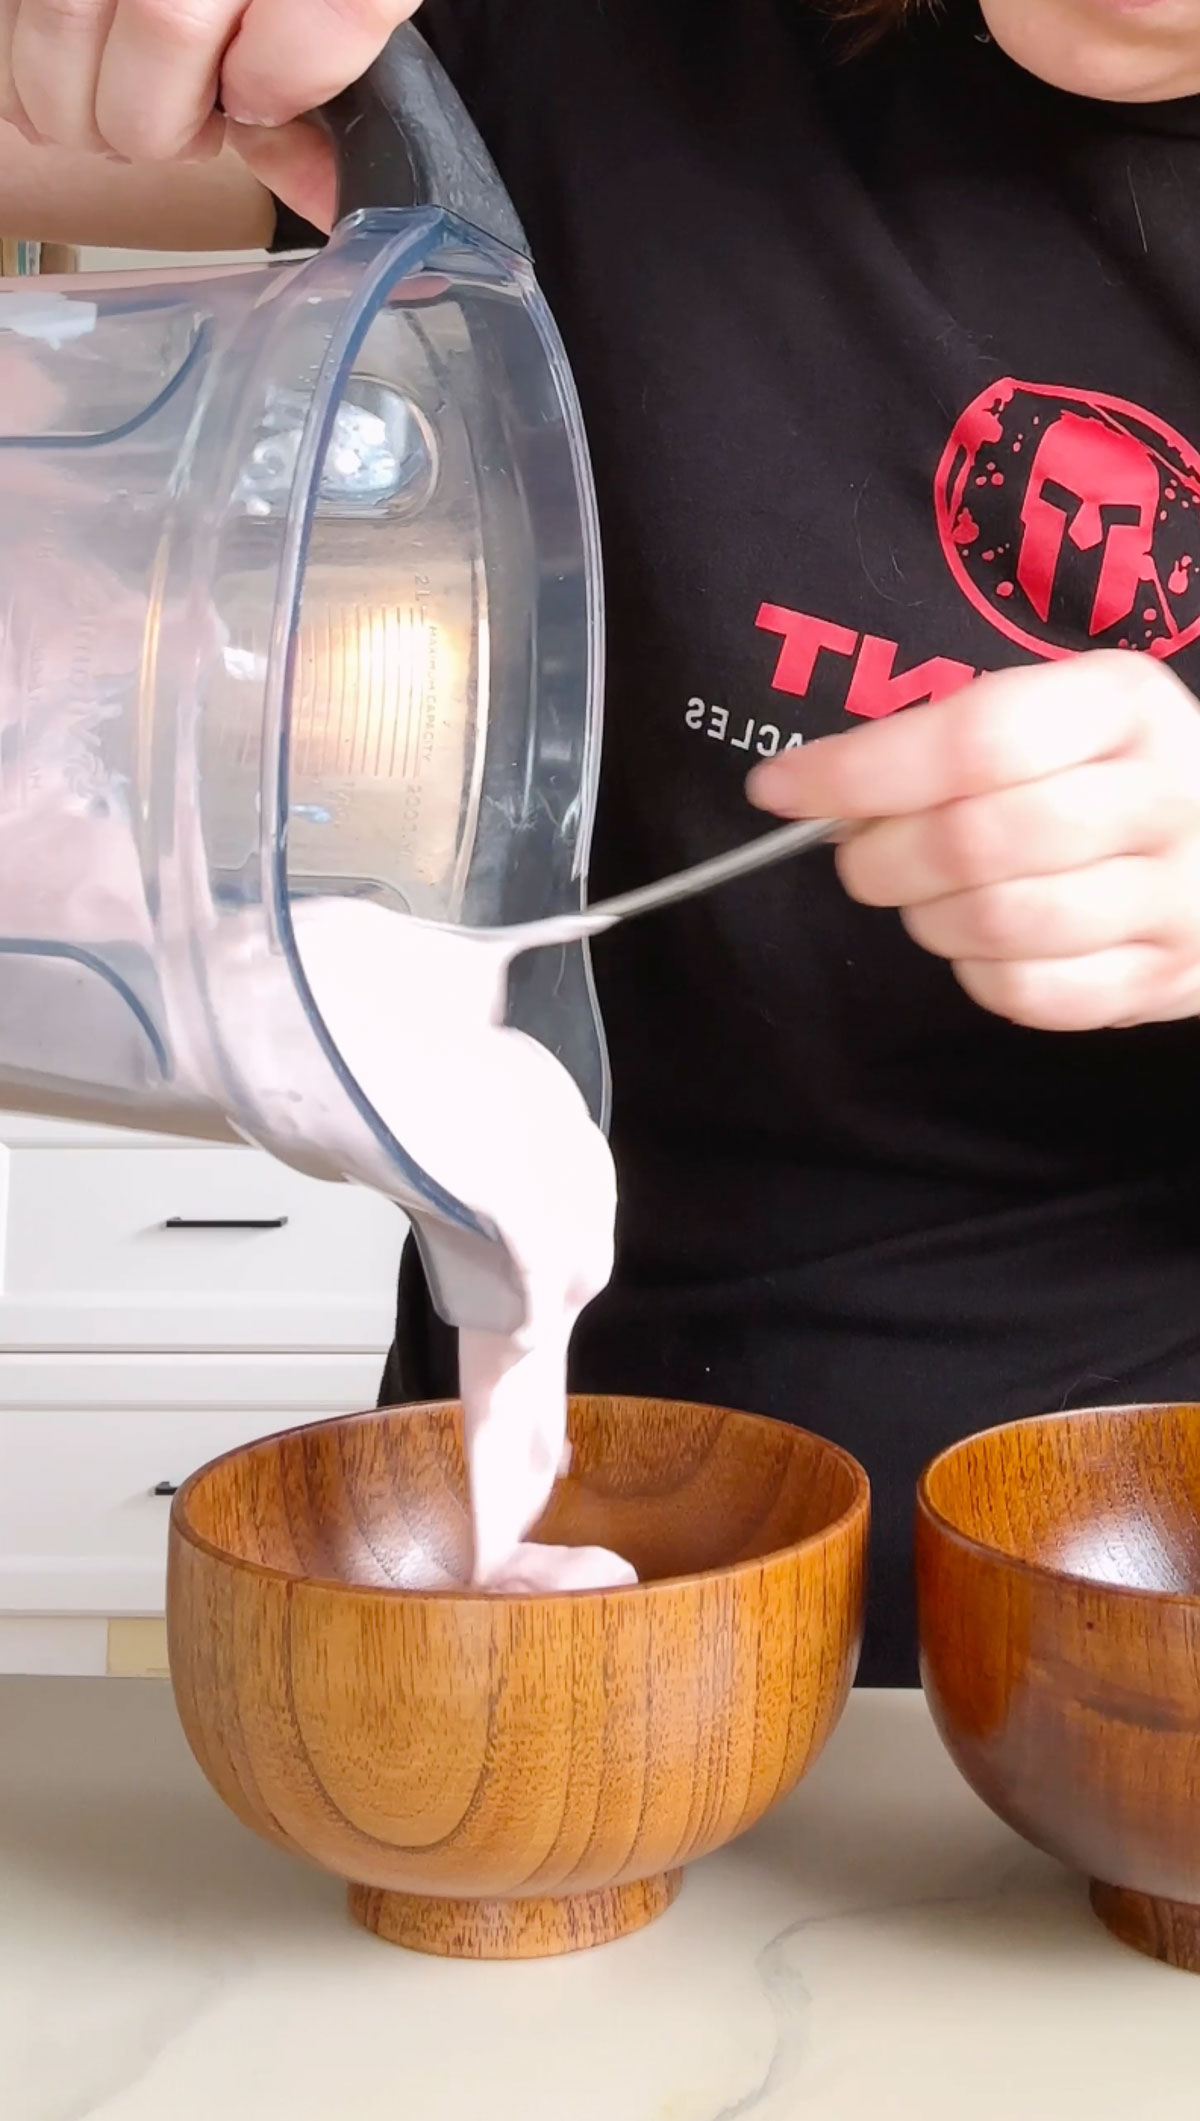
(352, 1701)
(514, 1929)
(1058, 1565)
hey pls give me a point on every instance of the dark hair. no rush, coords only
(874, 17)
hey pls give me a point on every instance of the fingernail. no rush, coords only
(258, 125)
(764, 783)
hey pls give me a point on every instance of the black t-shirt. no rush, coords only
(891, 368)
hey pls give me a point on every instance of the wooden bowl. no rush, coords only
(507, 1777)
(1058, 1565)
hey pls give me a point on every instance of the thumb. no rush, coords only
(291, 56)
(295, 162)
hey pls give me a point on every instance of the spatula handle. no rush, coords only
(761, 853)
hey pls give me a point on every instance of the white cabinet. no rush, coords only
(160, 1302)
(83, 1486)
(188, 1247)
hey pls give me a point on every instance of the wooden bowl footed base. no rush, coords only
(513, 1929)
(502, 1777)
(1168, 1930)
(1058, 1565)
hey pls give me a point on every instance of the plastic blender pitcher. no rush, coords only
(299, 595)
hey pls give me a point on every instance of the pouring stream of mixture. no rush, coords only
(416, 1012)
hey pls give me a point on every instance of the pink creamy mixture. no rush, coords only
(416, 1013)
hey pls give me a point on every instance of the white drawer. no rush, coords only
(107, 1246)
(81, 1528)
(318, 1384)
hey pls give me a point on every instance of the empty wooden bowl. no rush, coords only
(1059, 1584)
(505, 1777)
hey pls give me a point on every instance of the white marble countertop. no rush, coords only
(879, 1950)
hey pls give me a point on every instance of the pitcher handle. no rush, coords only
(403, 137)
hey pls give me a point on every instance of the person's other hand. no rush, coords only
(140, 79)
(1041, 831)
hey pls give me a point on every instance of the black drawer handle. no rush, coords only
(226, 1222)
(165, 1487)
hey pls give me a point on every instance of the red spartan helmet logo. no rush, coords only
(1073, 521)
(1098, 487)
